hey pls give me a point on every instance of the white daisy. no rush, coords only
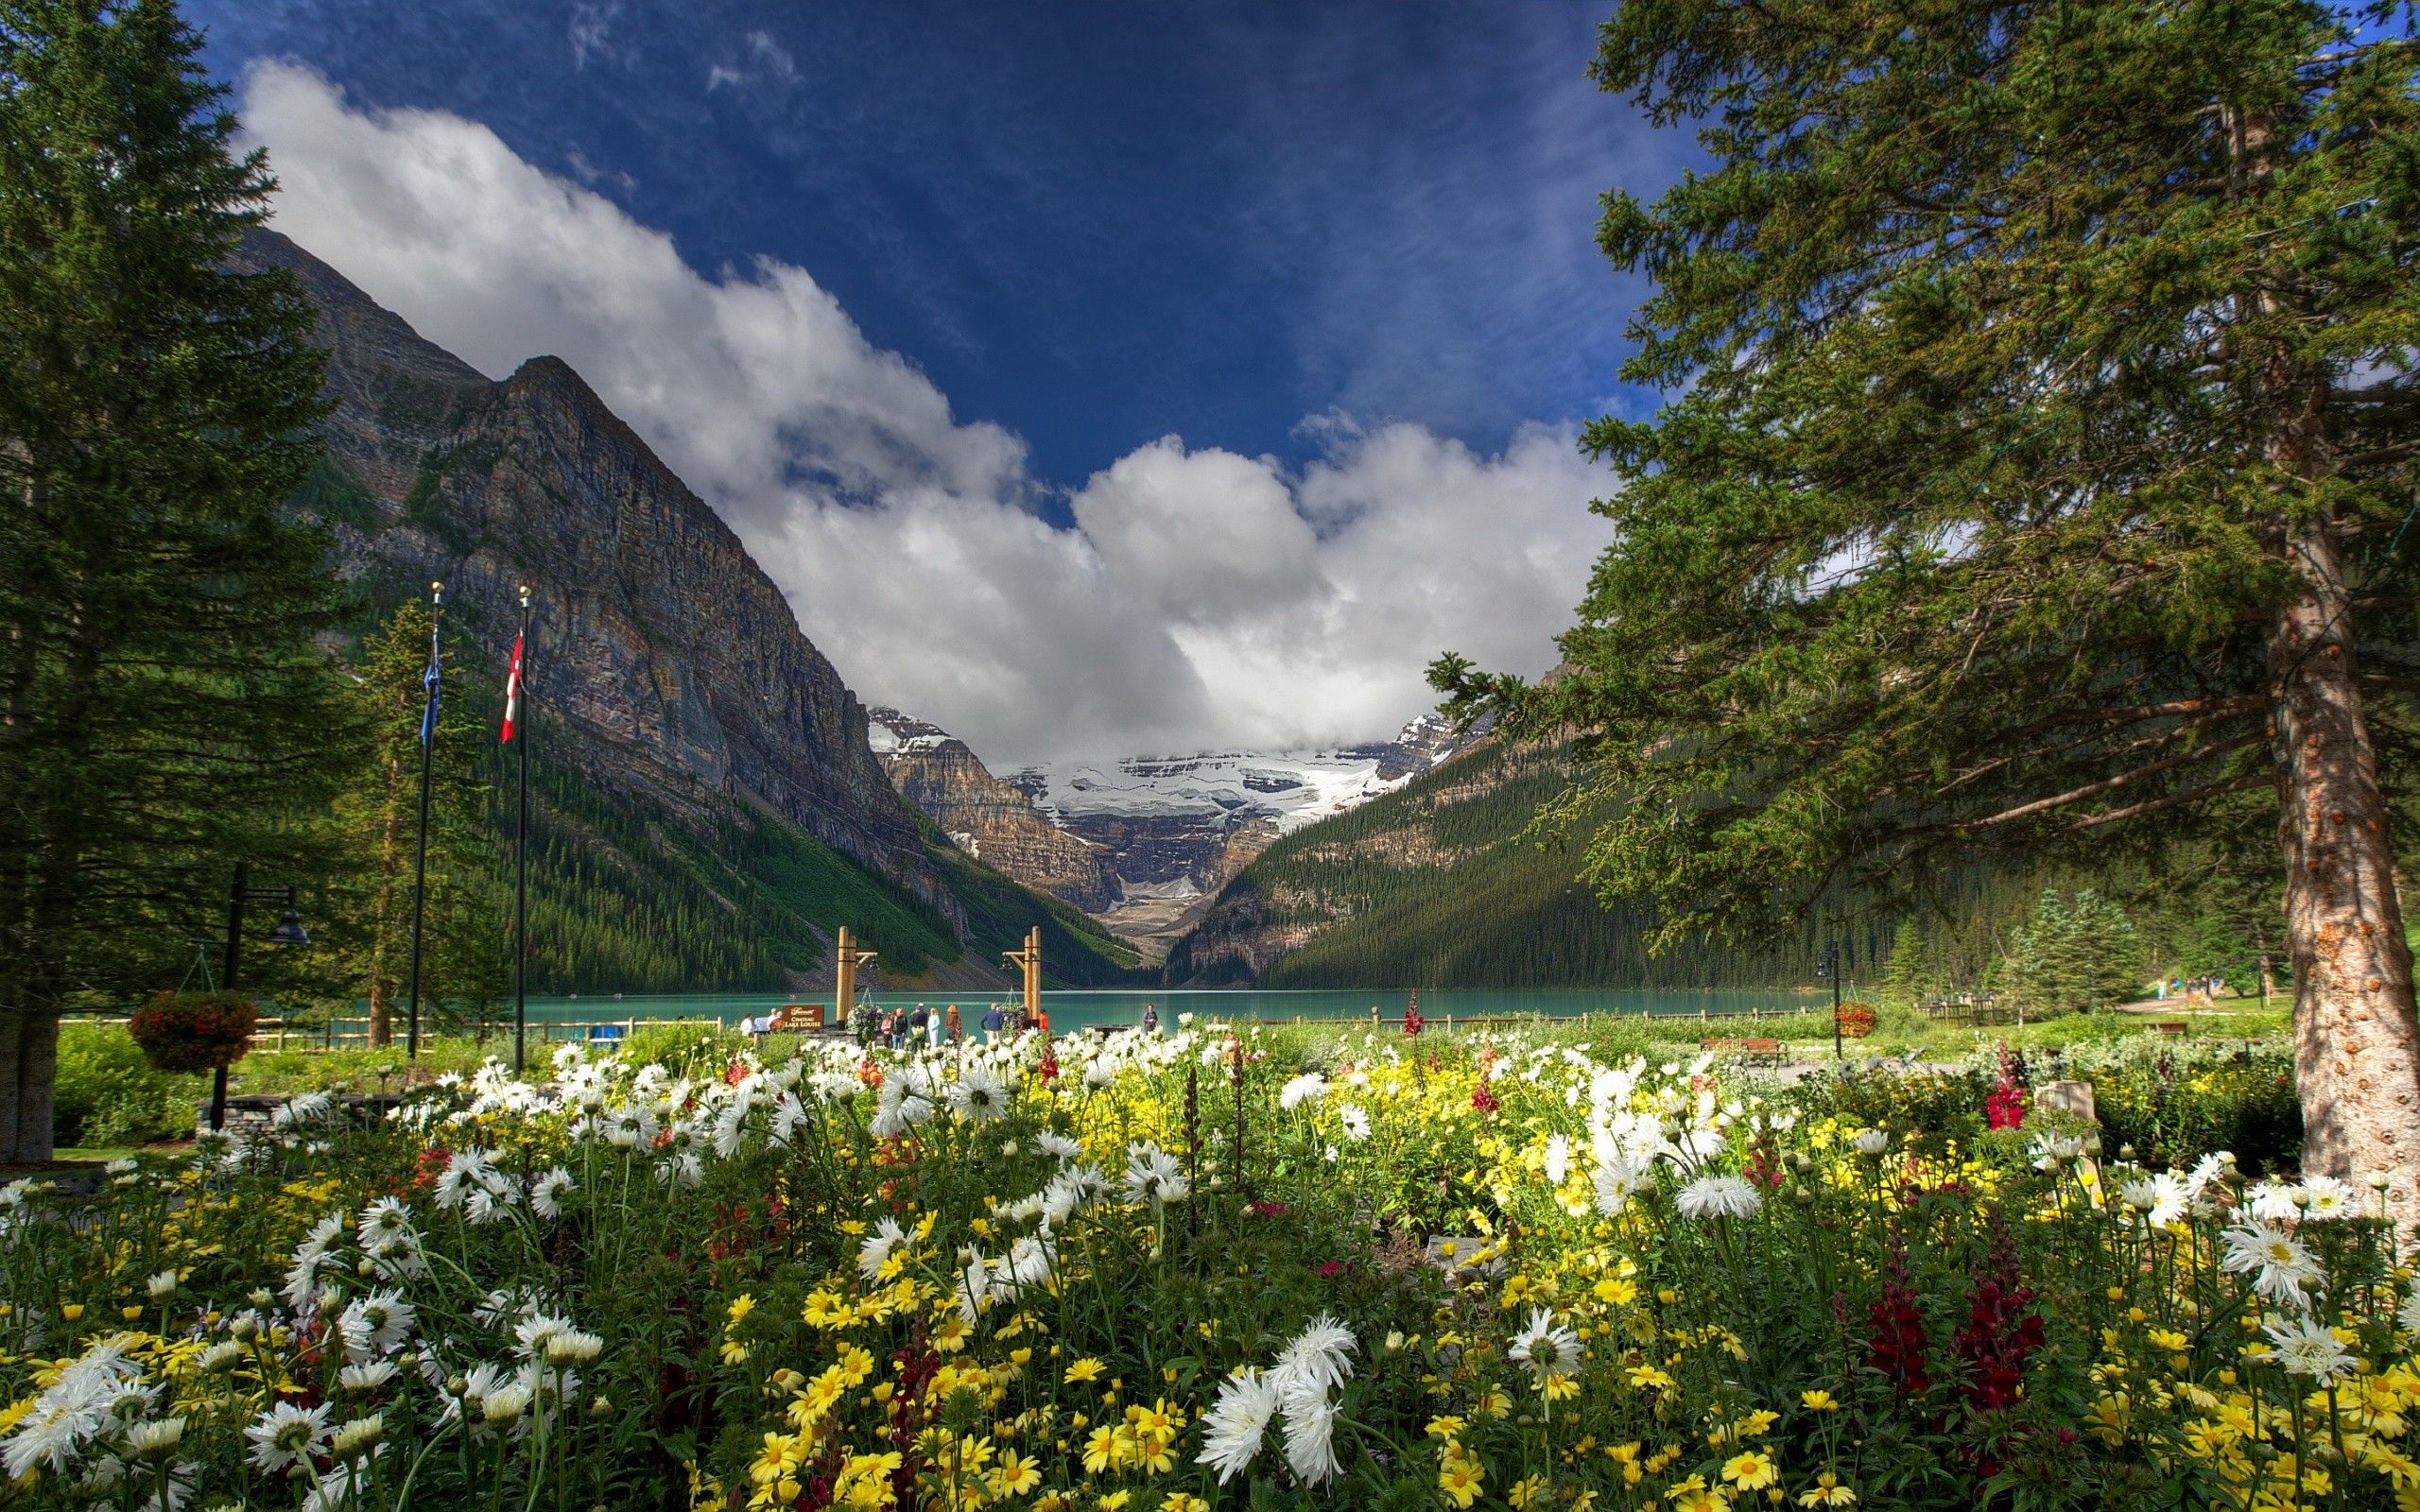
(2328, 1200)
(286, 1435)
(979, 1096)
(1233, 1427)
(1546, 1347)
(1308, 1088)
(2307, 1348)
(546, 1196)
(876, 1247)
(1717, 1196)
(1557, 1159)
(2281, 1269)
(1318, 1356)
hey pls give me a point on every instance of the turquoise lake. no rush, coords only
(1076, 1008)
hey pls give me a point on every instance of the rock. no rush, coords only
(677, 663)
(2067, 1097)
(985, 816)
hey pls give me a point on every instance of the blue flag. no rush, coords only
(431, 679)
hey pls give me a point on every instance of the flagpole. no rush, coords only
(520, 858)
(420, 861)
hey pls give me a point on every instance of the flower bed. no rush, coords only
(1175, 1273)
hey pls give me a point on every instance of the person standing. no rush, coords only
(1150, 1019)
(957, 1029)
(933, 1028)
(993, 1021)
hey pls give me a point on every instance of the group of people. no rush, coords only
(903, 1028)
(2197, 989)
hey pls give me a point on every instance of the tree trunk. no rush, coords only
(28, 1065)
(2357, 1043)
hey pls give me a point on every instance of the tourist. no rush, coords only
(1150, 1019)
(993, 1021)
(956, 1031)
(933, 1029)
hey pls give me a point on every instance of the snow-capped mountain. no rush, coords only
(1148, 836)
(1290, 788)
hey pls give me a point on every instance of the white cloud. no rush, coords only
(1201, 598)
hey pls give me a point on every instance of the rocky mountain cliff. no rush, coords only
(985, 816)
(674, 671)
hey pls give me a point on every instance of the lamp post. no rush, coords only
(289, 931)
(1829, 965)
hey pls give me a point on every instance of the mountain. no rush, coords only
(710, 806)
(1435, 884)
(1179, 826)
(985, 818)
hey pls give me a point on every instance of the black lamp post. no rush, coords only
(289, 931)
(1829, 965)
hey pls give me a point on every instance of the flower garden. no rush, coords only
(1211, 1269)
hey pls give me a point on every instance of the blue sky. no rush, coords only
(1275, 230)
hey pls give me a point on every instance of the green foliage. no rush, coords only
(1439, 884)
(2173, 1102)
(363, 946)
(2078, 951)
(108, 1092)
(167, 709)
(2011, 354)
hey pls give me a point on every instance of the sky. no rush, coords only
(1096, 379)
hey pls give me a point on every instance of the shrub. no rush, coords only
(193, 1031)
(2170, 1102)
(689, 1049)
(108, 1093)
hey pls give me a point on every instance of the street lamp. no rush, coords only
(290, 931)
(1829, 964)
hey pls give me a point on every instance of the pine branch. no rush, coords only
(2233, 784)
(2106, 784)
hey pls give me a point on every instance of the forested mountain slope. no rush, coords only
(707, 808)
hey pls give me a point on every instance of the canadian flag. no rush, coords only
(512, 692)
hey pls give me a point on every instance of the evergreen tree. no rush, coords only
(374, 824)
(1907, 973)
(163, 709)
(2043, 437)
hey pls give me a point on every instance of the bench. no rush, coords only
(604, 1033)
(2172, 1026)
(1758, 1050)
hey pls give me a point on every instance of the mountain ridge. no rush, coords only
(681, 688)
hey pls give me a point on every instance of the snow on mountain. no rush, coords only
(1292, 788)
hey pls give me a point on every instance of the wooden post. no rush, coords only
(846, 959)
(1028, 964)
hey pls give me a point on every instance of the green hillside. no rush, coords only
(1432, 886)
(628, 895)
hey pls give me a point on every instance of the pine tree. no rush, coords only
(1907, 974)
(374, 826)
(2044, 441)
(163, 712)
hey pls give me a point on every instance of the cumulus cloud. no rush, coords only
(1200, 599)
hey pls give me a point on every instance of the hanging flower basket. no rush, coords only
(193, 1031)
(1856, 1020)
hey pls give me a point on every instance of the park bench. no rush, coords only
(1767, 1051)
(2172, 1026)
(604, 1033)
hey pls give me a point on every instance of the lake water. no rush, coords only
(1075, 1008)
